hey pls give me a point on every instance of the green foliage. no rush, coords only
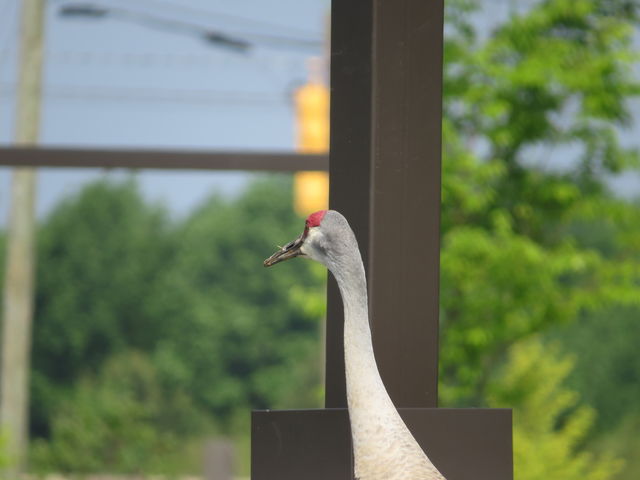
(217, 333)
(122, 420)
(607, 372)
(5, 460)
(497, 287)
(532, 238)
(100, 256)
(561, 73)
(625, 441)
(519, 253)
(549, 423)
(244, 336)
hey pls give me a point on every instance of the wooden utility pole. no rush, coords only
(20, 256)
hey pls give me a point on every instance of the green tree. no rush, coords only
(607, 371)
(550, 425)
(551, 84)
(607, 362)
(245, 337)
(100, 256)
(498, 287)
(623, 440)
(122, 421)
(192, 297)
(4, 456)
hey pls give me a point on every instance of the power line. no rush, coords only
(97, 11)
(152, 59)
(152, 95)
(200, 12)
(236, 40)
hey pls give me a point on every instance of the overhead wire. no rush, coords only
(237, 42)
(151, 95)
(97, 10)
(154, 59)
(230, 37)
(217, 15)
(129, 94)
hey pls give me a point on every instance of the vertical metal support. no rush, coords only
(349, 159)
(386, 107)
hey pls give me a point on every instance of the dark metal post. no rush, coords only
(386, 94)
(386, 78)
(350, 159)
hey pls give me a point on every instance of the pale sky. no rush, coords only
(111, 83)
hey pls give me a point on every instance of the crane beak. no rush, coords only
(290, 250)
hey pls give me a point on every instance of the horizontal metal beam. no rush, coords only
(474, 443)
(160, 159)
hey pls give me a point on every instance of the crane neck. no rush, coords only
(367, 396)
(383, 446)
(364, 385)
(353, 288)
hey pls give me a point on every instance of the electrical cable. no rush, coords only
(97, 10)
(200, 12)
(151, 95)
(236, 40)
(154, 59)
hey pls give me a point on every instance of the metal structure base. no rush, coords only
(316, 444)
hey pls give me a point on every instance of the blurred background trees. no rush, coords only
(152, 332)
(536, 243)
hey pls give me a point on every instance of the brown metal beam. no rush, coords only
(463, 444)
(386, 106)
(160, 159)
(350, 166)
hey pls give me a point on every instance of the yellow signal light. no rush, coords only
(311, 189)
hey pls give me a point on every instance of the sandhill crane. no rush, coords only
(383, 446)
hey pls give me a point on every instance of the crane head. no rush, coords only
(295, 248)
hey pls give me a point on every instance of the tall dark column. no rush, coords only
(386, 110)
(386, 96)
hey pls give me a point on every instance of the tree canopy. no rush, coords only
(531, 131)
(188, 303)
